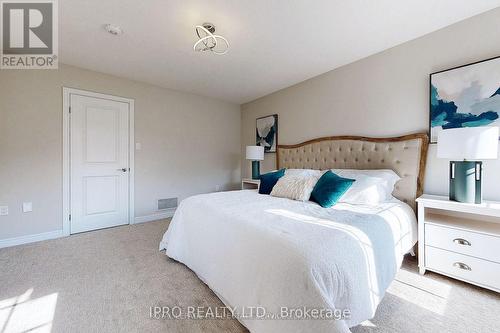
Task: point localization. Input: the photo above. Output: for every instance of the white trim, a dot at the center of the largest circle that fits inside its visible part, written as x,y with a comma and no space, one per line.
66,152
31,238
131,164
94,94
66,158
154,217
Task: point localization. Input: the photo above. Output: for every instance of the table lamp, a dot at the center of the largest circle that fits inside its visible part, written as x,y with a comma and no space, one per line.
465,147
255,154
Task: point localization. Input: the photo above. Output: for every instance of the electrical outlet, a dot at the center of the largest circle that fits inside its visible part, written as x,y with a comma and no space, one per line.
4,210
27,207
217,188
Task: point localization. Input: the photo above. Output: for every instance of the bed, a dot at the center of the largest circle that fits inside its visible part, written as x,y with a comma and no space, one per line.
271,260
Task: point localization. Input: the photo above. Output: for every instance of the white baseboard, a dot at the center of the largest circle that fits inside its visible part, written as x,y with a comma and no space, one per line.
8,242
30,238
153,217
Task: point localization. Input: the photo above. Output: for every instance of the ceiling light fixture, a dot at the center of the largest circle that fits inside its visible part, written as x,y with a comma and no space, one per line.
113,29
208,41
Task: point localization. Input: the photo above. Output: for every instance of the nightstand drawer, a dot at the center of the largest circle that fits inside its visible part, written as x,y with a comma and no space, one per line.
465,242
482,272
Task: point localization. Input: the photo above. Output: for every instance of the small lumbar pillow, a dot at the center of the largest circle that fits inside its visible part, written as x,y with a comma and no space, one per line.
268,180
329,189
295,186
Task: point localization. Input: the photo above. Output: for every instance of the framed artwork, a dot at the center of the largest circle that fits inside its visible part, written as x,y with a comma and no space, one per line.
465,96
266,133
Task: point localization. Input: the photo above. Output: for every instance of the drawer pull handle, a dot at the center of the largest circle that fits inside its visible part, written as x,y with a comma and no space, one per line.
461,241
463,266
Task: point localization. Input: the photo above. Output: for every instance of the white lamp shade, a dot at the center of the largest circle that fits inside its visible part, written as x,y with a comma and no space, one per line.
255,153
469,143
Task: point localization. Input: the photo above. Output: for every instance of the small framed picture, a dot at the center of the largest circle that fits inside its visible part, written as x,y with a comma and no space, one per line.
266,133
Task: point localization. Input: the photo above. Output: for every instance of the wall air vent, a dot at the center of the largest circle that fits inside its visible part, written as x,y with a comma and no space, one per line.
167,203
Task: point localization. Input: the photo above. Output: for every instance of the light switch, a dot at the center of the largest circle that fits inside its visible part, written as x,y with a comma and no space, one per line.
4,210
27,207
138,146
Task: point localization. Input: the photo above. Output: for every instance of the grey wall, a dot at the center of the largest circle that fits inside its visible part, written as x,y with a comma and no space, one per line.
190,144
385,94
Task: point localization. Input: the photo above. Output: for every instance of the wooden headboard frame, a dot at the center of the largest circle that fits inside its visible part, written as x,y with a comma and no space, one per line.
406,155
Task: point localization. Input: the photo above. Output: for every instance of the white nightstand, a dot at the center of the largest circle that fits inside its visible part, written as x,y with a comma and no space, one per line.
460,240
250,184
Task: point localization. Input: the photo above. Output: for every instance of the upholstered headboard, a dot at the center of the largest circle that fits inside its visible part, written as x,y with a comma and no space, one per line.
406,155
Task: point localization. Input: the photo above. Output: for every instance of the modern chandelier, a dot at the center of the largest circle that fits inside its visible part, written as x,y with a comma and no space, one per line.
208,41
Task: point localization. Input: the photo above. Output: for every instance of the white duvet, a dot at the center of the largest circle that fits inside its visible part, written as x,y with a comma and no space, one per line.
256,250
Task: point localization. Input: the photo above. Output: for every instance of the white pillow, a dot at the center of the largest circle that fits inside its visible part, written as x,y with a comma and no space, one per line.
296,185
304,172
371,186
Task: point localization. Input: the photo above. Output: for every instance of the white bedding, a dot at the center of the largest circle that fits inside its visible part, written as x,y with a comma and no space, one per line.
262,251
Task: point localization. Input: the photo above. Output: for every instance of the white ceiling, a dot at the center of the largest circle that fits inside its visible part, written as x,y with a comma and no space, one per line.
274,44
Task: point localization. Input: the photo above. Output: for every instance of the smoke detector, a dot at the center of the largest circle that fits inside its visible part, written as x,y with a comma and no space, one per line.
113,29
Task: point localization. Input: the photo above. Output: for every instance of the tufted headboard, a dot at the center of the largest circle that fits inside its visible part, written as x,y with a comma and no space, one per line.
406,155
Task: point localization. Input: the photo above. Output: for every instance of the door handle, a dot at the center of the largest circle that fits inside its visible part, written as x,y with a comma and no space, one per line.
122,169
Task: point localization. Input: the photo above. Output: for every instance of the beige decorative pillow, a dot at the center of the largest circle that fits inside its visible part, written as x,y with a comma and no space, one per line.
295,187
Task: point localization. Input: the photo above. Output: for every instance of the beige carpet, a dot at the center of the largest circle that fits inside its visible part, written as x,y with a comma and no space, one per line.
106,281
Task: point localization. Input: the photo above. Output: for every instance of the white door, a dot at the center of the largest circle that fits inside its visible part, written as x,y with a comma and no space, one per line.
99,163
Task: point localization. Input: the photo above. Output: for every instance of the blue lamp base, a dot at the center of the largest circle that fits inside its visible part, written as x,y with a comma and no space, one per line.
465,181
255,169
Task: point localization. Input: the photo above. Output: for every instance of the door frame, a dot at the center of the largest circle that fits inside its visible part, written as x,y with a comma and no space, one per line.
66,207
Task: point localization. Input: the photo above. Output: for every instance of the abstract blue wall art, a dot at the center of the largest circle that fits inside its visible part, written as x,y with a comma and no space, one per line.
266,133
465,96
